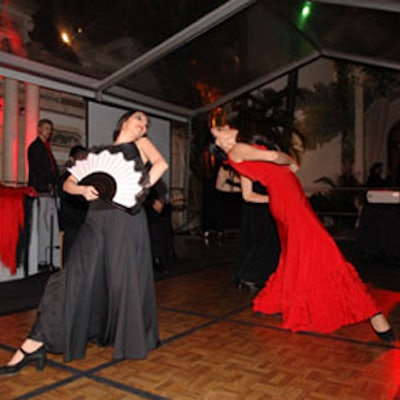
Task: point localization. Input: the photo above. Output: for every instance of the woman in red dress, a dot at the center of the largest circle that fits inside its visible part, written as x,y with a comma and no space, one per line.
314,287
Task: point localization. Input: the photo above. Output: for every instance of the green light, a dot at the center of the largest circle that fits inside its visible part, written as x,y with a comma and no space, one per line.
304,13
306,10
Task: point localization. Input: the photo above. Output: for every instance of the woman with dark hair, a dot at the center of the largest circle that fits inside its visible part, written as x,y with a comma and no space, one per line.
105,293
375,179
314,287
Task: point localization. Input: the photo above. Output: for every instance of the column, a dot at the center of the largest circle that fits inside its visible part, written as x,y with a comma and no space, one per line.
10,131
31,120
359,146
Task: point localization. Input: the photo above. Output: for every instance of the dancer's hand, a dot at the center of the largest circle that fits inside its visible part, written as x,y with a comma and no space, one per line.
282,158
294,167
89,193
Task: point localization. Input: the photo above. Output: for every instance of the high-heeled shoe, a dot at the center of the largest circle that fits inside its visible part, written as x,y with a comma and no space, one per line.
386,336
38,357
252,286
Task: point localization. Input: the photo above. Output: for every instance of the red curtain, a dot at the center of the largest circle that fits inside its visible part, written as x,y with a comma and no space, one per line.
11,222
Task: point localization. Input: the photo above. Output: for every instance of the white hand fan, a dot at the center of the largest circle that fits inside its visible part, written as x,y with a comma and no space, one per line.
114,177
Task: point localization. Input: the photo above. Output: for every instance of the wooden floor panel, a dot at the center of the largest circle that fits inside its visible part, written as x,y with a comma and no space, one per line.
229,360
215,348
208,292
172,323
87,389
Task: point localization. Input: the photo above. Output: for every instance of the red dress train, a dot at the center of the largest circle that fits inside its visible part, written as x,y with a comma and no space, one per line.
314,287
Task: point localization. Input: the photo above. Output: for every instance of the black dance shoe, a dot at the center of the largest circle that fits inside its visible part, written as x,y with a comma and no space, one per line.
38,357
252,286
386,336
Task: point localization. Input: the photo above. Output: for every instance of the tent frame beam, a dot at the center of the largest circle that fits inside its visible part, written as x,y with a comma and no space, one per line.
361,59
260,82
24,70
174,42
388,5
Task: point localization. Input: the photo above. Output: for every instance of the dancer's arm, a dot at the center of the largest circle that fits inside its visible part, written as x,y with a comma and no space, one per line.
245,152
150,153
249,195
87,191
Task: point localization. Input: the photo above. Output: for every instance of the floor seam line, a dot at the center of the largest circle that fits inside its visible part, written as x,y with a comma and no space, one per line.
319,335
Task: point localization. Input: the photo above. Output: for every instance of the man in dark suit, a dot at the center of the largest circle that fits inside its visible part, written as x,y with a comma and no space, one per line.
43,170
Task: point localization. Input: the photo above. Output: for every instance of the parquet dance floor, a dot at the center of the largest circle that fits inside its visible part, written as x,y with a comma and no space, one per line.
215,348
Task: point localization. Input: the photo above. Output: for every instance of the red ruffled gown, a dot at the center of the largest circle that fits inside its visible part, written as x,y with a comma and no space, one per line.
314,287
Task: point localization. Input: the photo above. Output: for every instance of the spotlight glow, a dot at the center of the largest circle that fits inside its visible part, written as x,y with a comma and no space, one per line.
65,38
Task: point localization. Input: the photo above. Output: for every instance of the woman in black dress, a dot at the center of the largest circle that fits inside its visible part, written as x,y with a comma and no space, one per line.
259,247
105,293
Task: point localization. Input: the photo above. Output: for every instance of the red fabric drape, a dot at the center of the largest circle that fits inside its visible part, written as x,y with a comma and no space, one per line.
11,222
